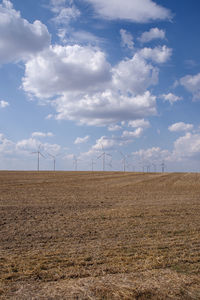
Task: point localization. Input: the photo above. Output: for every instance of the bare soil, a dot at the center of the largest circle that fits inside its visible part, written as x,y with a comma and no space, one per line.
99,235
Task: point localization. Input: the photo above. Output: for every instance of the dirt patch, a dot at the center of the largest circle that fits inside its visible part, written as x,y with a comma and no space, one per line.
95,235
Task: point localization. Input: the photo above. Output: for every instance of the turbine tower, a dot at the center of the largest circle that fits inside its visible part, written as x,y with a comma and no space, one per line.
76,162
163,167
110,163
93,163
103,155
154,166
54,161
124,161
38,157
148,168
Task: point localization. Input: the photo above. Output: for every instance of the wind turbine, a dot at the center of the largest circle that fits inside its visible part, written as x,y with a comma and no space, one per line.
163,167
54,161
124,161
141,162
93,163
110,163
103,155
148,168
38,157
154,165
76,162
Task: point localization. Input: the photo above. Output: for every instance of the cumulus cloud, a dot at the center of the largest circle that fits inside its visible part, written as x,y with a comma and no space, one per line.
42,134
85,37
18,38
171,98
192,84
127,39
158,55
187,146
83,87
3,104
7,147
140,11
68,36
114,127
66,14
57,3
104,143
80,140
139,123
133,134
32,144
134,75
154,154
180,126
152,34
65,68
105,108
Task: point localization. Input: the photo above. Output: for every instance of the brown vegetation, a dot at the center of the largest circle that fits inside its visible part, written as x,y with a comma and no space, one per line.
95,235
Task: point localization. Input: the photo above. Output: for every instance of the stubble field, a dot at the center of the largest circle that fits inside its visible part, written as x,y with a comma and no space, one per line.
95,235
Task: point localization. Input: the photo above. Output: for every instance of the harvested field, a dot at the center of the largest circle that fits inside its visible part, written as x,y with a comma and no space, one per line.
95,235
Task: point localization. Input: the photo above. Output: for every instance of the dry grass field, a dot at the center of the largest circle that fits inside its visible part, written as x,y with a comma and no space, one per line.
95,235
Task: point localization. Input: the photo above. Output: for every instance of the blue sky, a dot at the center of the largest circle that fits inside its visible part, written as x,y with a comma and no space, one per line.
114,79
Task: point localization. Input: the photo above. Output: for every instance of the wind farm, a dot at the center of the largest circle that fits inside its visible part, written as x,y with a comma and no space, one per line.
99,150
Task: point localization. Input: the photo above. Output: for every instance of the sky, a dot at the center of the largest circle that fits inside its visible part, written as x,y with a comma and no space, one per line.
100,85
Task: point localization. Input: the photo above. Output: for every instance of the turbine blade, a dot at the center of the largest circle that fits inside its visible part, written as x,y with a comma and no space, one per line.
41,154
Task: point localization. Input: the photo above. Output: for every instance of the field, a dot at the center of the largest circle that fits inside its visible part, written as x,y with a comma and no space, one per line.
99,235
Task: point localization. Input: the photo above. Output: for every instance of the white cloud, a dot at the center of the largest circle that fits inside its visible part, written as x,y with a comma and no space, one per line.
139,123
66,68
133,134
42,134
127,39
80,140
171,98
57,3
155,154
115,127
187,146
65,11
86,89
32,144
134,75
104,143
140,11
152,34
18,38
192,84
81,37
66,14
28,144
85,37
3,104
7,147
49,117
180,126
158,55
105,108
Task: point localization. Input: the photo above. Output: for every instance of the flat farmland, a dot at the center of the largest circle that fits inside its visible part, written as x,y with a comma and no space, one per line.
99,235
